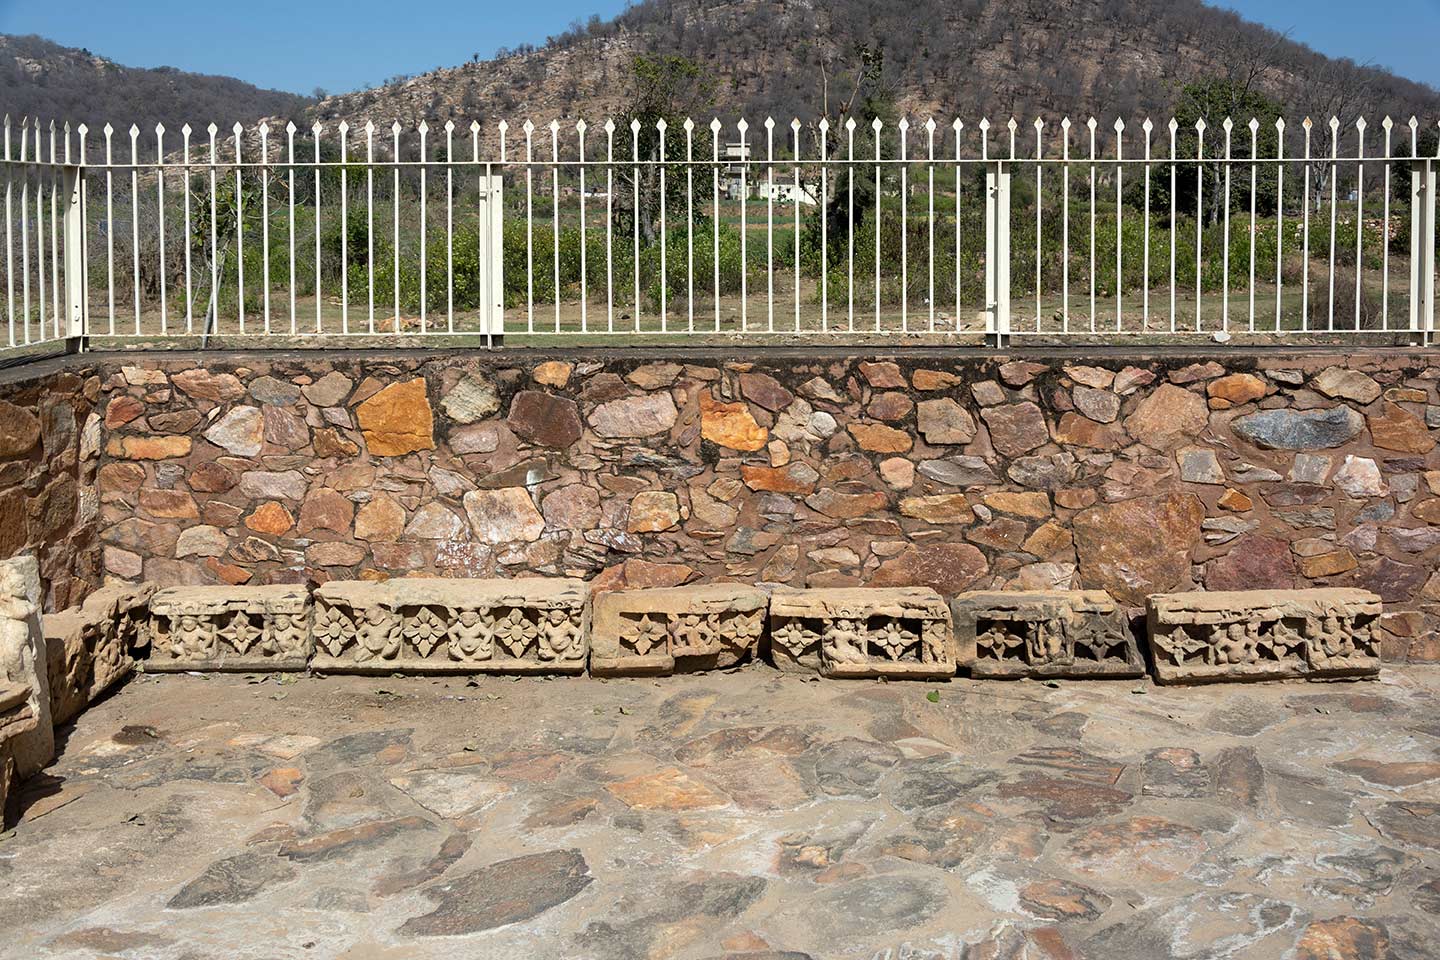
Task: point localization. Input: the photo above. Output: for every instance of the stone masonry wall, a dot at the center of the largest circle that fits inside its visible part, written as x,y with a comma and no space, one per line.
49,450
1136,475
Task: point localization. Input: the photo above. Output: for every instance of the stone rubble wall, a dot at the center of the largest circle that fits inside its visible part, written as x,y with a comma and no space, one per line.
50,437
1132,474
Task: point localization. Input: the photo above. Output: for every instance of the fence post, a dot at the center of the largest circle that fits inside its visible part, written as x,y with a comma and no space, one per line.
492,258
997,255
73,240
1422,252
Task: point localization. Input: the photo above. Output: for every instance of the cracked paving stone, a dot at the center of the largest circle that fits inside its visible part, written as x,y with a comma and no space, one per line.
505,892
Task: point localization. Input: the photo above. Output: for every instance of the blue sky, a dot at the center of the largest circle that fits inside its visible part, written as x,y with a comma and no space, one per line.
343,45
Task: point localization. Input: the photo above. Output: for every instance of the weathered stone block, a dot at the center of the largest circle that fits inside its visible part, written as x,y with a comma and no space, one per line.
1044,633
863,632
425,625
91,647
1264,634
31,746
707,627
229,628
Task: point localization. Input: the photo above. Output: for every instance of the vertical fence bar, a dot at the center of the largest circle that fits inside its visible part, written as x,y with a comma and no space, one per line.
290,168
660,127
1334,210
743,126
9,236
213,323
265,224
185,132
1174,218
1065,225
820,208
160,229
395,159
876,126
957,126
690,232
1039,218
1359,215
930,215
1092,123
450,226
1199,215
1228,126
1119,224
610,226
345,234
1148,128
635,219
584,265
25,230
370,226
135,219
1388,126
1308,125
424,129
56,178
795,207
529,128
316,132
555,214
73,224
715,215
1279,221
1254,193
239,231
770,225
904,127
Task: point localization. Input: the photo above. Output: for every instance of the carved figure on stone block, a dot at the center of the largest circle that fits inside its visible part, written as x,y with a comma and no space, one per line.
1238,643
845,641
1047,642
377,634
193,638
286,637
560,636
471,636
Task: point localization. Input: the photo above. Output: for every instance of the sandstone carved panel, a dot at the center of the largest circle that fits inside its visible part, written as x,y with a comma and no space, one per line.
90,647
862,632
659,631
229,628
1044,633
425,625
1264,634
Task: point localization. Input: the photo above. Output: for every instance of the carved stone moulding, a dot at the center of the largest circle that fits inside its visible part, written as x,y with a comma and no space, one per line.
430,625
91,647
230,628
660,631
1264,634
901,632
1044,633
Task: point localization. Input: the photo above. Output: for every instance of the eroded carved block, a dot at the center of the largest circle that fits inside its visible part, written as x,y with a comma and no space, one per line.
90,647
658,631
427,625
230,628
1044,633
863,632
22,663
1263,634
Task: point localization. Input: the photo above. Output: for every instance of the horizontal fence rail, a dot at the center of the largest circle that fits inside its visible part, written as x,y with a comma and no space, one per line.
953,232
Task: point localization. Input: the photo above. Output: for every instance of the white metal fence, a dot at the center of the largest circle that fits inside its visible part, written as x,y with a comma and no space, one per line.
931,232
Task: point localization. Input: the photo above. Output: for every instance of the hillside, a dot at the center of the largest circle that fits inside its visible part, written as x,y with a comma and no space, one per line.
39,78
946,57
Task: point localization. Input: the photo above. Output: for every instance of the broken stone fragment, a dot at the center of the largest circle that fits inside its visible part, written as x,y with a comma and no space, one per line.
660,631
1264,634
1052,633
901,633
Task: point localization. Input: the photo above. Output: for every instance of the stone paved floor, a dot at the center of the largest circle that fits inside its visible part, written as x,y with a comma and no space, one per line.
740,815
